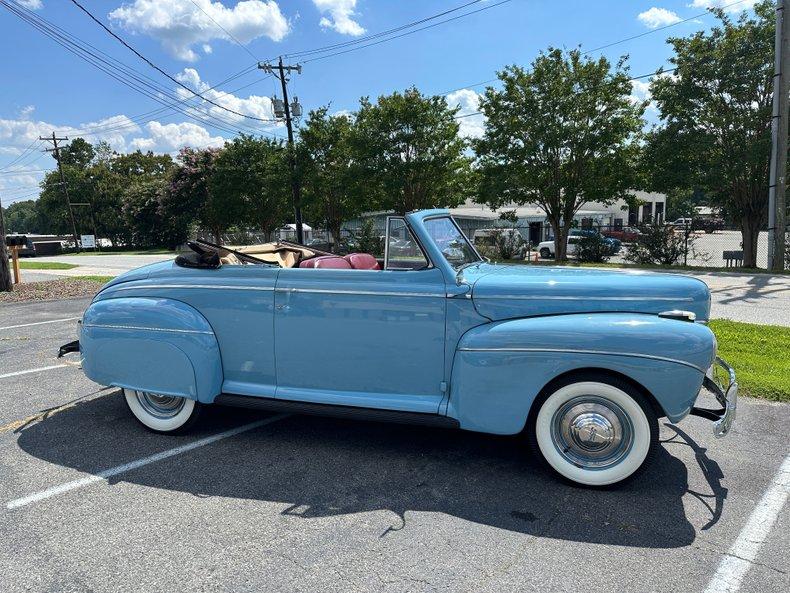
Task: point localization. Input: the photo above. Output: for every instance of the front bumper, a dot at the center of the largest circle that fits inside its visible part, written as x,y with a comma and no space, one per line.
720,380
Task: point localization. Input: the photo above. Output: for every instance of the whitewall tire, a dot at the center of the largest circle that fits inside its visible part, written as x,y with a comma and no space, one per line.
162,413
594,430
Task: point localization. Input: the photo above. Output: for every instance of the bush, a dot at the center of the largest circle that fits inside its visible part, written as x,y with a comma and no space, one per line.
368,240
593,248
661,245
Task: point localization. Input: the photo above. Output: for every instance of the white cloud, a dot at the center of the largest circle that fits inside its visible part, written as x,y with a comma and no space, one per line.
640,90
31,4
207,49
739,7
169,137
340,16
658,17
180,24
472,126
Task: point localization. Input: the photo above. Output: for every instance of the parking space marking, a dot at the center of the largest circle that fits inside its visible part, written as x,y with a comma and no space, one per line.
38,370
138,463
39,323
734,566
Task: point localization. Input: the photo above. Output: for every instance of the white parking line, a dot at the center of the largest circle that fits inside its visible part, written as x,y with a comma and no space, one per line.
734,566
39,323
114,471
38,370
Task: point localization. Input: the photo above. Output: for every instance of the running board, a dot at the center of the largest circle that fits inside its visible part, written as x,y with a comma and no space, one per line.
374,414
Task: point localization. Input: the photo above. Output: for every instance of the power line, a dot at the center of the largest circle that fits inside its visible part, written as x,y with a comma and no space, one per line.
123,73
160,70
657,73
127,76
455,18
228,33
23,171
29,150
657,29
380,34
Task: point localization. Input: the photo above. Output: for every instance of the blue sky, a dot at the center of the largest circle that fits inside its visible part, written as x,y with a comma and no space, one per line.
45,88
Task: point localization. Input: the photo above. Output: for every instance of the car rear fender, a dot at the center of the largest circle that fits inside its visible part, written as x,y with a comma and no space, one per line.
500,368
151,344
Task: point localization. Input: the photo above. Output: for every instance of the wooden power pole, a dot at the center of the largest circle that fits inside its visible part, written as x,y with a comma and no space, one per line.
281,72
56,151
777,205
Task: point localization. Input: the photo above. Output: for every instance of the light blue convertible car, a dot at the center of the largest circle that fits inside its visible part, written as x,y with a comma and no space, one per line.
583,361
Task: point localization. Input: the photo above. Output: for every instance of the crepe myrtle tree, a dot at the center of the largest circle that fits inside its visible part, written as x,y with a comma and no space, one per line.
716,109
408,152
190,196
560,134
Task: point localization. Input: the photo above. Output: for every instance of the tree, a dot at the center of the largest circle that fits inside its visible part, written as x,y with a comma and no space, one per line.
24,217
559,135
190,196
251,181
717,119
333,192
408,152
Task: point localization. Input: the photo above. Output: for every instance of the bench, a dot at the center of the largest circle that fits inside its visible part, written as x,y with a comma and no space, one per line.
733,259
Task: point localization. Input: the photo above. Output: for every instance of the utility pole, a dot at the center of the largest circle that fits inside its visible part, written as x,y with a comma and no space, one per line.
56,150
777,187
281,72
5,271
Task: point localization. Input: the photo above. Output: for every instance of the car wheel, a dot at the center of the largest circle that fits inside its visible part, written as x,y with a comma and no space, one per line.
162,413
594,430
545,253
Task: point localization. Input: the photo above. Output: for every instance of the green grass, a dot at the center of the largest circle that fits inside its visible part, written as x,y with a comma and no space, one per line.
45,265
759,355
99,279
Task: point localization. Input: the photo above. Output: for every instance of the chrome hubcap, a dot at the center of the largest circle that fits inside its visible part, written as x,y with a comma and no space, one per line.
592,432
160,406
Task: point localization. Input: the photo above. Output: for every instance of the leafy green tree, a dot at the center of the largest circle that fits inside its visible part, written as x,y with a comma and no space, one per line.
78,153
141,210
717,113
332,189
24,217
408,152
560,134
251,181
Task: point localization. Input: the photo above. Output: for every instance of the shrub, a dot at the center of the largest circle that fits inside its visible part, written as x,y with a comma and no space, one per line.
661,245
593,248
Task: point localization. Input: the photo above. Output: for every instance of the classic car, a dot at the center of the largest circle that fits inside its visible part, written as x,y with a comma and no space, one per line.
583,362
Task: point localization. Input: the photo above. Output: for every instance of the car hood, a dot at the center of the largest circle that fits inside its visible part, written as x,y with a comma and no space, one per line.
509,291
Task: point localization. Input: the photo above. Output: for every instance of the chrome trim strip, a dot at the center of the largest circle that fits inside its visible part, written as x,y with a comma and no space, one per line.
153,329
577,351
579,298
207,286
360,292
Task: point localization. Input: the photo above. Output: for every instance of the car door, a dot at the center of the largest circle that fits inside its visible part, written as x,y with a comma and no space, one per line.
366,338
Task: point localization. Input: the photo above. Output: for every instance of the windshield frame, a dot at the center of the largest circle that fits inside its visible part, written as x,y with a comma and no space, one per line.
456,269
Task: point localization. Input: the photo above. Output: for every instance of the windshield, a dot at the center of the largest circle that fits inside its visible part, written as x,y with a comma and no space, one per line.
455,247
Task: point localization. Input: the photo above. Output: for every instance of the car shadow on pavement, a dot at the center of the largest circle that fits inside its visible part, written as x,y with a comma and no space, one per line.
318,467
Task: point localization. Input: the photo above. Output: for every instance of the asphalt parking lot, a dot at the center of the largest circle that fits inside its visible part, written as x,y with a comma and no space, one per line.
89,501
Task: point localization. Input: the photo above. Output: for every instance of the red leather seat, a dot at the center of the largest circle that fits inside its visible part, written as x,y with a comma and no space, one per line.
333,262
362,261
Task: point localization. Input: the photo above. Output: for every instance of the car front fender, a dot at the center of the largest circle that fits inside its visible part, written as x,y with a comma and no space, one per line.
151,344
500,368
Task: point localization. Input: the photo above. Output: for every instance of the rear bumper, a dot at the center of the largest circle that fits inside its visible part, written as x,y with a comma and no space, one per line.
721,381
